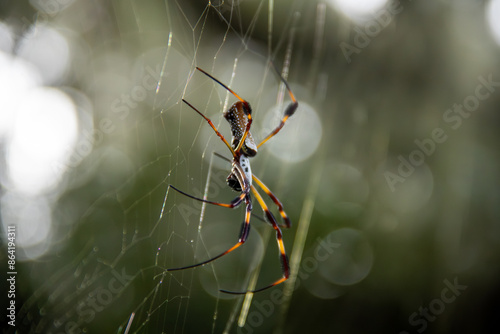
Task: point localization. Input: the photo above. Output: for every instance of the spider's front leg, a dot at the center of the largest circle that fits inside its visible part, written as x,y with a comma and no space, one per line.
289,111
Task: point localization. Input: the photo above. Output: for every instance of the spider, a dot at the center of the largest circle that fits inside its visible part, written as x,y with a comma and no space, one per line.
241,179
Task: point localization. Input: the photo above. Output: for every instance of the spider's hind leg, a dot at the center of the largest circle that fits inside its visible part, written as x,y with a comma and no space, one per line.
245,231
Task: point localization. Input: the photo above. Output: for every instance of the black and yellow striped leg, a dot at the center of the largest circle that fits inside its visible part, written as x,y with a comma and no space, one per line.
234,203
211,124
289,111
284,216
285,267
245,230
246,110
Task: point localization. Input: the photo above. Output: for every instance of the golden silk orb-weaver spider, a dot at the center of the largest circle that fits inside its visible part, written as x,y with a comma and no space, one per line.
241,179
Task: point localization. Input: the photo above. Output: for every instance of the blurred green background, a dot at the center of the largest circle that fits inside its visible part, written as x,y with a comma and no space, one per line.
388,170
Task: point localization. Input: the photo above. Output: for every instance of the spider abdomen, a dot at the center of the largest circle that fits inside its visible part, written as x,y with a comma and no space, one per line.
238,120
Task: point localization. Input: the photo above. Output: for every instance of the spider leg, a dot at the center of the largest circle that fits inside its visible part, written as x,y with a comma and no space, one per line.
247,111
289,111
245,230
221,156
220,83
276,201
234,203
285,267
212,125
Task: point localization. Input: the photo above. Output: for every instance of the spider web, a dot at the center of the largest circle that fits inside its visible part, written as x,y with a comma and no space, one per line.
391,188
110,273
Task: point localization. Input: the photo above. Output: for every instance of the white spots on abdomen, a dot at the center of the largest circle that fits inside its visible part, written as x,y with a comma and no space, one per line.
245,165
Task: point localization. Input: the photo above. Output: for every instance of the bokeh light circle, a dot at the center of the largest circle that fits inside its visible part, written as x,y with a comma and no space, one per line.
298,139
351,261
358,10
492,17
49,51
